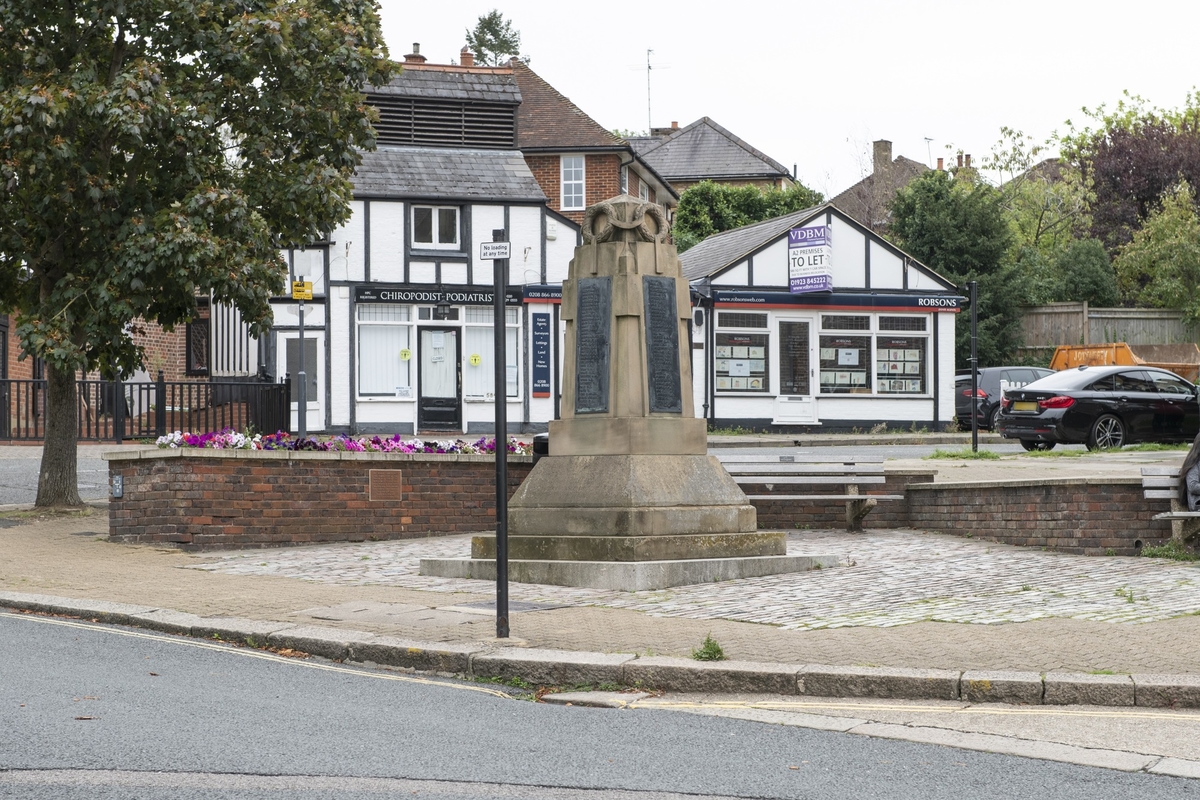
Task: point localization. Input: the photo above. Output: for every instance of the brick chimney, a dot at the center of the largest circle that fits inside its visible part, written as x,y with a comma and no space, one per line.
465,57
940,166
968,163
415,56
674,124
882,155
960,160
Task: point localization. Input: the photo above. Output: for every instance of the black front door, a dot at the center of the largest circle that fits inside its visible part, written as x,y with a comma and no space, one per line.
439,381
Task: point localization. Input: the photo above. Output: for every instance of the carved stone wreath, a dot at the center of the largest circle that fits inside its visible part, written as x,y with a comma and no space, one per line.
636,222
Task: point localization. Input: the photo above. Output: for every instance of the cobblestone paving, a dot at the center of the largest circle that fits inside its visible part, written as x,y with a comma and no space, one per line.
890,578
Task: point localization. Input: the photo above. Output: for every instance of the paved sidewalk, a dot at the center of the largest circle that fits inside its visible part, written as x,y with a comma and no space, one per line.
904,599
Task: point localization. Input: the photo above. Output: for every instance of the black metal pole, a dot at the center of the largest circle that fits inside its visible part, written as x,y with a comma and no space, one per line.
302,387
971,287
500,281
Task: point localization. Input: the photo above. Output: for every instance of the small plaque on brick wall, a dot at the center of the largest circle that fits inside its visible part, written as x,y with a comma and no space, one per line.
386,484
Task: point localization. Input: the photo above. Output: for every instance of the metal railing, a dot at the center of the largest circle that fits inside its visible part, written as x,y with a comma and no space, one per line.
115,411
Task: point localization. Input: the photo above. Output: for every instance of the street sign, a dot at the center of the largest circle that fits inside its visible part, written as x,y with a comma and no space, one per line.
302,290
491,251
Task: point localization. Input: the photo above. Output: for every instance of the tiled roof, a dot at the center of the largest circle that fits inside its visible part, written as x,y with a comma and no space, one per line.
547,119
491,84
446,174
723,249
706,150
869,199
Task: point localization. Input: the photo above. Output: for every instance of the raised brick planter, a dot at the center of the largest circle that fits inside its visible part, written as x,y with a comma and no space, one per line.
217,499
1090,516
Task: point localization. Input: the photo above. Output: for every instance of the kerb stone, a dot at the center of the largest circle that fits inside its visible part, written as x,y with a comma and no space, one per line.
421,656
1074,689
882,682
689,675
1018,688
1178,691
331,643
550,667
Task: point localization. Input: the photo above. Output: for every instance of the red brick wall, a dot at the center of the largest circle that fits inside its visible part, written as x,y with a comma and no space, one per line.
241,499
1090,516
602,179
166,351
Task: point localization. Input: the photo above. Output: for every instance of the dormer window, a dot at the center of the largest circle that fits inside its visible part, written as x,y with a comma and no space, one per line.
435,227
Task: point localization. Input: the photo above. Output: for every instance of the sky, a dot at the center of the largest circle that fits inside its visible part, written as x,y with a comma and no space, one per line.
813,84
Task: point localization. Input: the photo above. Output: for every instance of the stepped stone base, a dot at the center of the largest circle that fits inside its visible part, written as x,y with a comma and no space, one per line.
627,576
630,496
635,548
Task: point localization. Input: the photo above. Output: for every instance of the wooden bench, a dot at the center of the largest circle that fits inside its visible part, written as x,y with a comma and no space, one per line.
1162,483
840,478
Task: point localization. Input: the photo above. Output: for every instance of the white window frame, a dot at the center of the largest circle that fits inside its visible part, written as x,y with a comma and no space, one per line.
435,244
580,182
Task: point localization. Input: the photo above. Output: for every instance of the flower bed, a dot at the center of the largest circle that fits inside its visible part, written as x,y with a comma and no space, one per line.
229,439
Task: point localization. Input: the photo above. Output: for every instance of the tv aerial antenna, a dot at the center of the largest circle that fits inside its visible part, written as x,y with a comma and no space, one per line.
650,68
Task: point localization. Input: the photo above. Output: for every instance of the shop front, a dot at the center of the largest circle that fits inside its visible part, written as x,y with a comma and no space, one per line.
864,336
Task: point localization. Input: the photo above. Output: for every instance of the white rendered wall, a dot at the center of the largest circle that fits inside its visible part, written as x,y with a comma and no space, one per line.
347,252
887,269
484,219
454,272
525,238
738,275
418,272
770,265
387,241
849,255
339,365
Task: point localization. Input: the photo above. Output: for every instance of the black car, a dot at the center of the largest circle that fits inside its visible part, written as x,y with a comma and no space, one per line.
1101,407
992,383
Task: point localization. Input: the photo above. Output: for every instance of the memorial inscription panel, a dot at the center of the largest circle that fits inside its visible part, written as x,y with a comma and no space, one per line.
593,321
662,344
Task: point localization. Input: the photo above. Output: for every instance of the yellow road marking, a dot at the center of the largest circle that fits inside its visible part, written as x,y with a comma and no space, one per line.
1044,711
229,648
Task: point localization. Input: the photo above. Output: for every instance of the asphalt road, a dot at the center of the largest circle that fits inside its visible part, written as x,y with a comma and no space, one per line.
89,711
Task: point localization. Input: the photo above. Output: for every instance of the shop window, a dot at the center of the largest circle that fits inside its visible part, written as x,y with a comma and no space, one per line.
845,322
901,364
911,323
384,350
734,319
845,364
435,227
741,362
479,352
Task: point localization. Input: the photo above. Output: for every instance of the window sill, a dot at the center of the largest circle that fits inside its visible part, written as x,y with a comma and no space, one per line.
425,251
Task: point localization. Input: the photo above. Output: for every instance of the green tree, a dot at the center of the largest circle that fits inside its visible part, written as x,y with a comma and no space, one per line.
1085,273
494,40
1135,153
1161,266
707,208
156,150
958,228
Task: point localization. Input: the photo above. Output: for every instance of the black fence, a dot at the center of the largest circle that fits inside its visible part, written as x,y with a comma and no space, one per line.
115,411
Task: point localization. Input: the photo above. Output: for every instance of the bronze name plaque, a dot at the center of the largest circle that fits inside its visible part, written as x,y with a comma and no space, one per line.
593,336
662,344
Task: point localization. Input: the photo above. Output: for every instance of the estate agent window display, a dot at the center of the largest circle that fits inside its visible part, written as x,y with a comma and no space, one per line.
857,354
741,357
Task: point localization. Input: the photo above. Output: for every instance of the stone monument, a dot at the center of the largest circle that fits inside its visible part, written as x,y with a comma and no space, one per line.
628,497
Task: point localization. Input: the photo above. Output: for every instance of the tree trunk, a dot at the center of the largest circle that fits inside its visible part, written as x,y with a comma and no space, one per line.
58,481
